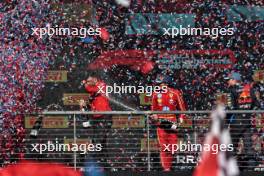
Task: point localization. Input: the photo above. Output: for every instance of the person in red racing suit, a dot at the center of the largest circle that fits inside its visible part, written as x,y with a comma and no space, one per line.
100,123
99,101
169,100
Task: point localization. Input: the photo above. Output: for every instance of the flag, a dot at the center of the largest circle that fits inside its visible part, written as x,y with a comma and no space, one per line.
220,163
137,60
38,169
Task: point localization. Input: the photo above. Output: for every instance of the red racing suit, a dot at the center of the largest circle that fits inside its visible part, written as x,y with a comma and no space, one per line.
170,101
101,123
99,101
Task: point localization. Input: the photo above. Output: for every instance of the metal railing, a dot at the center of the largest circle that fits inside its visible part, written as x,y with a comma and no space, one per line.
130,139
145,112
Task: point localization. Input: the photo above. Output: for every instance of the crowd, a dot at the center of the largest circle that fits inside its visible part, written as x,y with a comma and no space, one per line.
25,59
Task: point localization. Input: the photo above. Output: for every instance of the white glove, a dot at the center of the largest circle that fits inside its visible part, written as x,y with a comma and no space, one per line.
34,133
86,124
174,127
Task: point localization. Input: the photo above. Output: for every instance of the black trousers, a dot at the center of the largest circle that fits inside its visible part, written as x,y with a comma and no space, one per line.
241,128
100,132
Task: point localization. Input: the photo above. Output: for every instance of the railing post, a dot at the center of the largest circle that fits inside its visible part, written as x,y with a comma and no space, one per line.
194,127
74,140
148,134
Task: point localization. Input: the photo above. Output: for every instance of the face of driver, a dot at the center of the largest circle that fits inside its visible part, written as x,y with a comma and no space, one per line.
91,80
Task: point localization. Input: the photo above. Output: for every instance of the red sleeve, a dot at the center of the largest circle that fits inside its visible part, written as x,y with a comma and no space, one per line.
180,103
154,106
101,103
154,102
